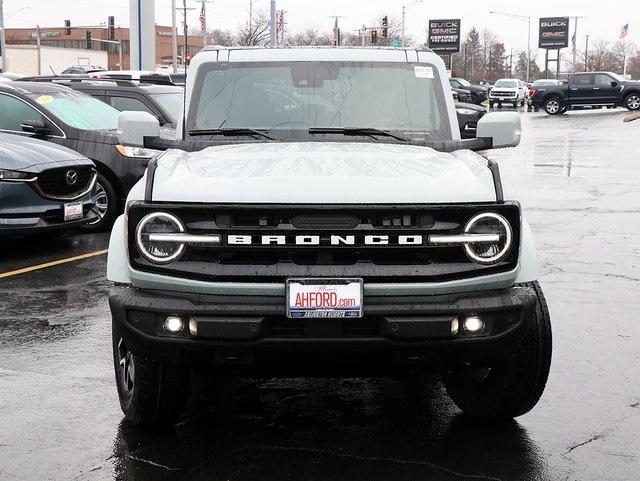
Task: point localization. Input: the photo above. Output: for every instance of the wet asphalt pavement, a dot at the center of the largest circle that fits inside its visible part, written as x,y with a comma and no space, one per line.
578,178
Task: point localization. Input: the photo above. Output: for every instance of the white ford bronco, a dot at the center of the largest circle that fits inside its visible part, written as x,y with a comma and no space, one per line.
320,215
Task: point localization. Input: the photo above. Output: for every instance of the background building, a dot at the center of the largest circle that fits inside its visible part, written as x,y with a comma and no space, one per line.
77,40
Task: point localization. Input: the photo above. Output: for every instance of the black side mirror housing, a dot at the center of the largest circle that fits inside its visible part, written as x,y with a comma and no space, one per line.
614,84
36,127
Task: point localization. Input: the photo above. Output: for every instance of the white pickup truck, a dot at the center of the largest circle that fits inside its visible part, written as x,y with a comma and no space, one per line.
322,216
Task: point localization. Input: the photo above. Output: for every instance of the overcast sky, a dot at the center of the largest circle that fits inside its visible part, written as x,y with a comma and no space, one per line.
603,19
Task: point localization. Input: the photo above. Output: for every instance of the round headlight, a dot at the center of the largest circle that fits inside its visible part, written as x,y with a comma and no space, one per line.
159,252
488,252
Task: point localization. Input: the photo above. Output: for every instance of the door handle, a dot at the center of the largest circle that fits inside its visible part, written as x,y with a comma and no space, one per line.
574,89
596,88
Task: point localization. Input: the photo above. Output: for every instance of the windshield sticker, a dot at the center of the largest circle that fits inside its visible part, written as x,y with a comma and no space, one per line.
44,99
423,72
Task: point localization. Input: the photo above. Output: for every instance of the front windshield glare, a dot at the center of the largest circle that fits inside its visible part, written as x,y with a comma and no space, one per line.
303,95
79,110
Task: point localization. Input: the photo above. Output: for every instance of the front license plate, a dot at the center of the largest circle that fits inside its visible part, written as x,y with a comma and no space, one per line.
72,211
324,298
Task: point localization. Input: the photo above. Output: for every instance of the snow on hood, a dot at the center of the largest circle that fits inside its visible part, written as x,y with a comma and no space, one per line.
322,173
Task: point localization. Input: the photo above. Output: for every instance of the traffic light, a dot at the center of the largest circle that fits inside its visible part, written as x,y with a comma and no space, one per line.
89,42
187,59
374,36
67,27
385,26
111,25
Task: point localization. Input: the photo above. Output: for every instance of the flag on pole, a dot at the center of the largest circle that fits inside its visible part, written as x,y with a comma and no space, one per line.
624,31
203,18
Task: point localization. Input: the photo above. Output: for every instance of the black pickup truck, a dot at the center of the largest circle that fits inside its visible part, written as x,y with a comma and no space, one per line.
587,89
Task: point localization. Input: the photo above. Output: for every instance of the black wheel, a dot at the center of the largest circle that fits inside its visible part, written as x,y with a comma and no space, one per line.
515,104
522,103
564,109
499,105
511,387
632,102
106,205
150,392
490,105
553,106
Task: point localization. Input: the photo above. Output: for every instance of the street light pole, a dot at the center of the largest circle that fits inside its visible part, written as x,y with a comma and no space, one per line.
586,55
525,18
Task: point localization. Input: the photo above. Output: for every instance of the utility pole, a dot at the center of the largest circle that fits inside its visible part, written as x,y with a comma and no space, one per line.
174,38
586,55
274,38
3,45
575,42
250,15
525,18
404,14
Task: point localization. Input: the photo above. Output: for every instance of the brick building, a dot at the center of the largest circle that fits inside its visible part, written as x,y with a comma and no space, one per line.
56,37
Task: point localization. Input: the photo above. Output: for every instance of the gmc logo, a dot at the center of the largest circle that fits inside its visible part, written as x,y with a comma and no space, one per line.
316,240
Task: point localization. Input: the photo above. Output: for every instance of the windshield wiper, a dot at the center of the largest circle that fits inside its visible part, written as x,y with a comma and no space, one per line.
231,131
366,131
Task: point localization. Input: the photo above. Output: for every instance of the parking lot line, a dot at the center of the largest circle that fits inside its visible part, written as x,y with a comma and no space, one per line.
67,260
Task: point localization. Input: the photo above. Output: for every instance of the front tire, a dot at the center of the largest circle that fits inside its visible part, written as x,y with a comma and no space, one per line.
553,106
511,387
106,205
632,102
150,392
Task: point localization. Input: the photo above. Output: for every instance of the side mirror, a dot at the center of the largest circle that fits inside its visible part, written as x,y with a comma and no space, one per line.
614,84
503,128
133,127
36,127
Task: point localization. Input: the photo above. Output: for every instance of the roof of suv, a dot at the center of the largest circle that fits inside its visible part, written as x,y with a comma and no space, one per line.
372,54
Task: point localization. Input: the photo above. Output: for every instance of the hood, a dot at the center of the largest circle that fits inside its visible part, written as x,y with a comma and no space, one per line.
477,88
322,173
27,154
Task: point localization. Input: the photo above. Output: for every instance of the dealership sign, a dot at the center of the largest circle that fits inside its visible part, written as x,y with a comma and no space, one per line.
554,32
444,36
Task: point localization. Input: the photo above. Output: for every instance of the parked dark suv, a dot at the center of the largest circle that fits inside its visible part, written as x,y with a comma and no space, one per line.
162,101
478,93
64,116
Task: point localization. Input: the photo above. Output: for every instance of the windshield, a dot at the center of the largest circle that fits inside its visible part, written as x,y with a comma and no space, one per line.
464,82
302,95
506,83
78,110
171,103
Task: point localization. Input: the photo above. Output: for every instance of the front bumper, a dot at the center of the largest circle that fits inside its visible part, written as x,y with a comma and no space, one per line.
23,211
252,334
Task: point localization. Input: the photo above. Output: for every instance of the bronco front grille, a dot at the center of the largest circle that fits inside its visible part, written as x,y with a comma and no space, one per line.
274,263
65,182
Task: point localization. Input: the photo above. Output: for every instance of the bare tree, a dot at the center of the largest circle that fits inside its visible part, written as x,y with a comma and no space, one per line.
256,33
310,36
221,37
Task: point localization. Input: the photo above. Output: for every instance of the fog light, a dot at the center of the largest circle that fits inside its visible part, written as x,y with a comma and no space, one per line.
173,324
473,324
455,324
193,327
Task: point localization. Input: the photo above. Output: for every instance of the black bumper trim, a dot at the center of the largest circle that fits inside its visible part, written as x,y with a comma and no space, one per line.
245,342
